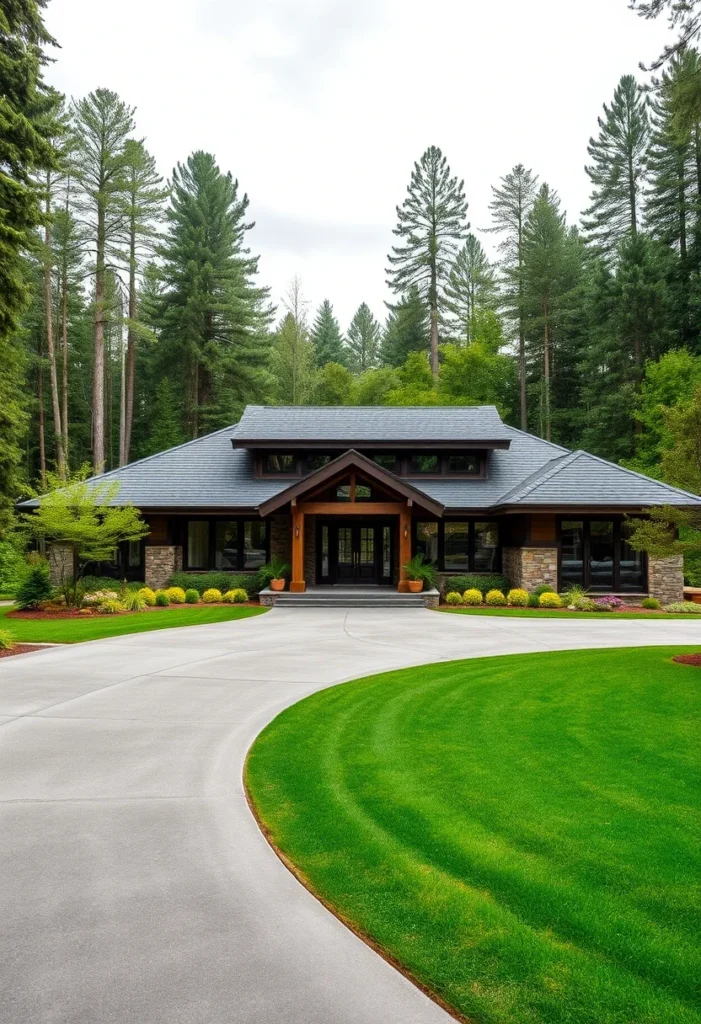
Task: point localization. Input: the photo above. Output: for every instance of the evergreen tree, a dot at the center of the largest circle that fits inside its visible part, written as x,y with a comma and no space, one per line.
144,197
214,319
510,206
551,266
166,420
101,123
471,286
326,337
363,340
406,330
431,225
617,170
25,148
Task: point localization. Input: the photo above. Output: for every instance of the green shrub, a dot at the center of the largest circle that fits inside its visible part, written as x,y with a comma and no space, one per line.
134,601
176,595
221,581
453,597
517,598
148,595
111,607
549,599
212,596
543,588
478,581
683,608
13,564
92,600
472,596
162,599
7,641
495,599
587,604
240,596
35,587
192,596
533,600
651,603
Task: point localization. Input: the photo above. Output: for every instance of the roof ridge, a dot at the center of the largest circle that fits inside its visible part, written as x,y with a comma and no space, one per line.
394,408
535,437
540,476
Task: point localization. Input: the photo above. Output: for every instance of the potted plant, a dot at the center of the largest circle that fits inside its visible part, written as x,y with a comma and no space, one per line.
273,574
419,572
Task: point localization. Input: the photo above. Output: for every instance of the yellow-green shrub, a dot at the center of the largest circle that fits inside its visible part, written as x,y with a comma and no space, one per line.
162,599
453,597
472,596
212,596
176,595
148,595
550,600
111,607
495,598
236,596
517,598
134,601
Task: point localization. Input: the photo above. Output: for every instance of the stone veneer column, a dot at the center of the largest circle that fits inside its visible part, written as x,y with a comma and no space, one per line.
161,561
529,567
61,566
665,578
281,538
310,550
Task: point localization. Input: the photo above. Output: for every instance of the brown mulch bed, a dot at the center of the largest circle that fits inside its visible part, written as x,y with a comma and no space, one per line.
73,613
688,659
23,649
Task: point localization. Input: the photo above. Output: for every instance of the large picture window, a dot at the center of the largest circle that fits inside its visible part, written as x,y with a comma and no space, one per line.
227,544
595,554
459,545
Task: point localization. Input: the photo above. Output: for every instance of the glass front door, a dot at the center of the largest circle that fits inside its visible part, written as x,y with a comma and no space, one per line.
354,553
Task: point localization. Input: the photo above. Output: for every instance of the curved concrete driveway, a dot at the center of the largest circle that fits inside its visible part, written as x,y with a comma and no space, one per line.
136,887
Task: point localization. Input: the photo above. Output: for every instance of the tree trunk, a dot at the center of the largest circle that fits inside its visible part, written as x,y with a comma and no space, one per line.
131,345
632,197
49,316
122,405
434,342
521,326
42,438
98,385
64,354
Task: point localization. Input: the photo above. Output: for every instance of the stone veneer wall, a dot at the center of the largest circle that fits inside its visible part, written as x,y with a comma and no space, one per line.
281,538
161,561
665,578
529,567
61,567
310,550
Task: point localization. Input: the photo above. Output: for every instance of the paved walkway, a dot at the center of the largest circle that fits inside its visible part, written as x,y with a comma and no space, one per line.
135,885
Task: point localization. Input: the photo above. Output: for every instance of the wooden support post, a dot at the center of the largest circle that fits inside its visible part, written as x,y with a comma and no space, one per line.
297,584
404,547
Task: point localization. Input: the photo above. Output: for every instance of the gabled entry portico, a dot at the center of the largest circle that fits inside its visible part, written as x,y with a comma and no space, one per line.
363,515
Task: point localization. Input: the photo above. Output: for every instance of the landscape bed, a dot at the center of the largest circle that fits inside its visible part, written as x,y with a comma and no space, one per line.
519,834
629,612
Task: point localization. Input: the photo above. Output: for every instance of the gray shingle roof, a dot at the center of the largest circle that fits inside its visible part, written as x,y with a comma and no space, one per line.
370,423
209,474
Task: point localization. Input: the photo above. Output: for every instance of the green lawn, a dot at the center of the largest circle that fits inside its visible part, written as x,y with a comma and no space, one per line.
549,613
72,631
521,833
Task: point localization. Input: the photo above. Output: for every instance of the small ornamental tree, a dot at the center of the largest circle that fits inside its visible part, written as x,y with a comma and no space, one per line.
85,519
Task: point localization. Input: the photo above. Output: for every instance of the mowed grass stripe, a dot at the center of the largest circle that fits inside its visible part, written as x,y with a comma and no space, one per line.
521,833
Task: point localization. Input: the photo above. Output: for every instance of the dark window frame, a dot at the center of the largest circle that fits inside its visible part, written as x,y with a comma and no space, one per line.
472,523
402,463
587,520
212,547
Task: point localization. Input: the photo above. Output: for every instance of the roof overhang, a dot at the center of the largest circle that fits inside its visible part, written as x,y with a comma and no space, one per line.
351,460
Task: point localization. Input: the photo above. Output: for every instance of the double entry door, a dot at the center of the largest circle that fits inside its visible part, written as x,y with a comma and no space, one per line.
351,552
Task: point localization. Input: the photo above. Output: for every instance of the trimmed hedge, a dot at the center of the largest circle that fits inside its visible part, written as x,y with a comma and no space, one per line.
483,582
222,581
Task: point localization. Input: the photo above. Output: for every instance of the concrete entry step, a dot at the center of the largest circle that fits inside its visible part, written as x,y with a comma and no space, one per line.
350,597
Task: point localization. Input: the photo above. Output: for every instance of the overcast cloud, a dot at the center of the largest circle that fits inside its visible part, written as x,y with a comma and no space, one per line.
320,107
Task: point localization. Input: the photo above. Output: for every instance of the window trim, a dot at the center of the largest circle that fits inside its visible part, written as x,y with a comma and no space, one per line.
402,463
472,523
586,521
212,547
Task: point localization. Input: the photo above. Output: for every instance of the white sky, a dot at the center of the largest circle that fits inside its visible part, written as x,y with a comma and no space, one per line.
320,107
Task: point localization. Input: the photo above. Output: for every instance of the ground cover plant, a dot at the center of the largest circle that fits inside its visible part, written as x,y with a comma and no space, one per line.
679,611
98,627
520,833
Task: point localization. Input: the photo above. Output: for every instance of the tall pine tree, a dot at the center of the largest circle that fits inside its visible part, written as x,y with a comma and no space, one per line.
617,169
431,225
363,340
214,318
326,337
511,203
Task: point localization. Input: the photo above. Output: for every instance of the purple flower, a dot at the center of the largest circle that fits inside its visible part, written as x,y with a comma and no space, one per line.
609,602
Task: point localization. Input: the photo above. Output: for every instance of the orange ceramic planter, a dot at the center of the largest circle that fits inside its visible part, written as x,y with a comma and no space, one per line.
416,586
277,584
